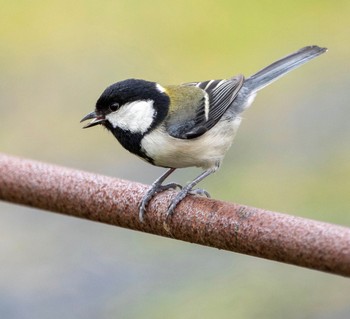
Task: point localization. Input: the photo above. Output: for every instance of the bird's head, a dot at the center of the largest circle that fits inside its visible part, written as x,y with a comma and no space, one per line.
131,105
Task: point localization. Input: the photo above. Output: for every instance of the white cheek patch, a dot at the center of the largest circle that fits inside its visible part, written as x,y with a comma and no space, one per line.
136,117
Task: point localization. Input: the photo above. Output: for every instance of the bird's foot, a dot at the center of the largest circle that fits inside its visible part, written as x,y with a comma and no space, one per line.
156,188
181,195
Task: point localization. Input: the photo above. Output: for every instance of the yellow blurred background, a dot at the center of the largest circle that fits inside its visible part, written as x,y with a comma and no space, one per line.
291,154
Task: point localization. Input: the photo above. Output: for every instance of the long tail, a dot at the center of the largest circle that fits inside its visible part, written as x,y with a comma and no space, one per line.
279,68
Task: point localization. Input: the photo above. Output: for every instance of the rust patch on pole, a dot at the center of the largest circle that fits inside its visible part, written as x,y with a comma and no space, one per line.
203,221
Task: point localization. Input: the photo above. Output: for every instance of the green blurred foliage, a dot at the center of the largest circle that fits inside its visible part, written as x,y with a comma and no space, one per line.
291,154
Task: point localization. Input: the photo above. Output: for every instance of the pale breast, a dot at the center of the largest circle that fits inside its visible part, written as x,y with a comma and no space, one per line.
204,151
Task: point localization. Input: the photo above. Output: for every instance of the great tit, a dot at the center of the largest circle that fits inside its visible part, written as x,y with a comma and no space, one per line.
192,124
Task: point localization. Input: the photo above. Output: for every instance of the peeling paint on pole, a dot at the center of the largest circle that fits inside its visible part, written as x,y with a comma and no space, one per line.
203,221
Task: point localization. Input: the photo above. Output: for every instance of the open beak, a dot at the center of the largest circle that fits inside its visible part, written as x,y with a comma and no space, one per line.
96,119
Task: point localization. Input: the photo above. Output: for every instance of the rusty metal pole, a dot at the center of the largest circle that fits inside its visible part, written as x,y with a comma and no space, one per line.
203,221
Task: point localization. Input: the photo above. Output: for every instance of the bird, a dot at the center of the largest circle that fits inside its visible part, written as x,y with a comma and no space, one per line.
188,125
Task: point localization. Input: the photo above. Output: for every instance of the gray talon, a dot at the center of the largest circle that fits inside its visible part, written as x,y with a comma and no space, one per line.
156,188
178,198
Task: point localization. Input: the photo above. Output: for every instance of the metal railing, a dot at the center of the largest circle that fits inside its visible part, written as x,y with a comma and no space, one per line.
203,221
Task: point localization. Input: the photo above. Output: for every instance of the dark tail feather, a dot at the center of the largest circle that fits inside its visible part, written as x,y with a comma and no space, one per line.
277,69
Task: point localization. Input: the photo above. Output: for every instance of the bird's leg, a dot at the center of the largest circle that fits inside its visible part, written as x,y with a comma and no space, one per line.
188,190
156,187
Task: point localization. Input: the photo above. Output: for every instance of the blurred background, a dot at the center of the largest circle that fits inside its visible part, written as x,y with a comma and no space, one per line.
291,154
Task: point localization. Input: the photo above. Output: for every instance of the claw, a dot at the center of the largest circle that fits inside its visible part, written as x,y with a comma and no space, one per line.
181,195
158,187
155,189
188,190
178,198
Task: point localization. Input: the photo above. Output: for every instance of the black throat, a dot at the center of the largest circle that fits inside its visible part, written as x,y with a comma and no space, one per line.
130,141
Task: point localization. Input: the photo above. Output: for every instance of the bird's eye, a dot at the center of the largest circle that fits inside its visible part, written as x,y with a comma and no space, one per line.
113,107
